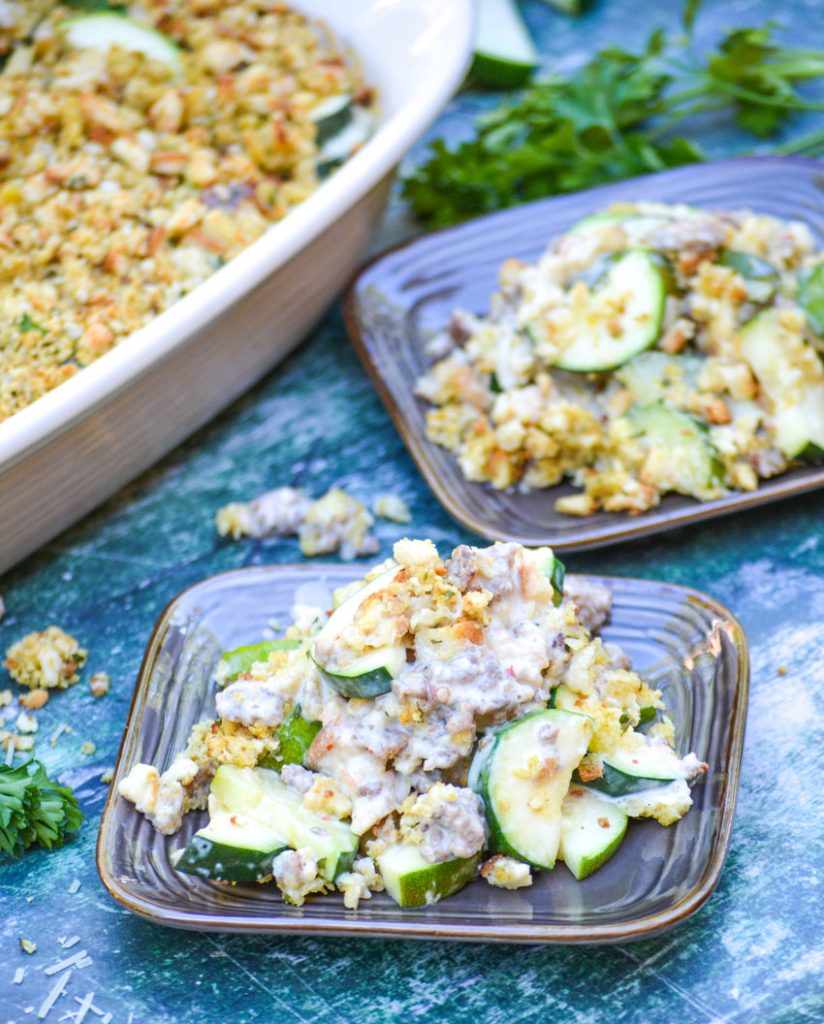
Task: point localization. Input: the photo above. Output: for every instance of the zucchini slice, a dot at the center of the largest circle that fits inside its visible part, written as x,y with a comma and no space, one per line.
591,831
261,795
623,772
366,676
505,55
234,663
104,30
340,145
620,317
231,848
412,881
295,737
524,779
681,455
760,277
331,116
791,377
657,376
811,298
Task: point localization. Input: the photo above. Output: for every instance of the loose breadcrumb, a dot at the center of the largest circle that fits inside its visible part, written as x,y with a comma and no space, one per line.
34,699
88,748
28,946
99,684
26,723
506,873
335,522
6,698
390,506
46,660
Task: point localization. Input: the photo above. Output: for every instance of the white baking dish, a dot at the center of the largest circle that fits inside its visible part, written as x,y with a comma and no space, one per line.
78,444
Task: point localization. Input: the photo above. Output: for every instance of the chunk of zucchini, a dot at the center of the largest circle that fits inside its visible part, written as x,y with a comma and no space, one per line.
620,317
295,737
524,779
683,457
371,674
260,794
630,771
811,298
760,277
412,881
231,848
791,377
592,829
241,659
103,30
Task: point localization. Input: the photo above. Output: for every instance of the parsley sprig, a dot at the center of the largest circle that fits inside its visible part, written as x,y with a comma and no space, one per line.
614,119
34,810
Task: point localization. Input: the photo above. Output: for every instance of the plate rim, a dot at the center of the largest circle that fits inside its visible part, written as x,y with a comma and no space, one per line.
620,526
351,926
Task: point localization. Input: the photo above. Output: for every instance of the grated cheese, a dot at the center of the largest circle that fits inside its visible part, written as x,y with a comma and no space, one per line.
57,991
70,961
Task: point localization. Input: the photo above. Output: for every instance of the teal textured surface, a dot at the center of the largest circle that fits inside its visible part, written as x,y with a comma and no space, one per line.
754,953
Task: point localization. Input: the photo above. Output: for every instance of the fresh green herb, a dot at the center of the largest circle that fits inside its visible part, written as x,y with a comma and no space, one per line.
27,324
34,810
613,119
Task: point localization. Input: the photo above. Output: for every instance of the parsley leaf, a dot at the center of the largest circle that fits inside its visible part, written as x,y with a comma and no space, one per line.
34,810
27,324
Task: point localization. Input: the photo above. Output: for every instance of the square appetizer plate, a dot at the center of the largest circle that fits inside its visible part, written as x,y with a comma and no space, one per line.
679,640
406,295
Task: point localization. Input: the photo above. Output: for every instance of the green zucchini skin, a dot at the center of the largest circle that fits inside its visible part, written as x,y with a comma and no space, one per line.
208,859
371,674
241,659
516,829
597,351
688,439
295,737
592,829
761,277
614,782
412,882
369,684
811,298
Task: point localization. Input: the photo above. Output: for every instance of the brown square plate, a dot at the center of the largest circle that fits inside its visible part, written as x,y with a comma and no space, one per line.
406,295
679,640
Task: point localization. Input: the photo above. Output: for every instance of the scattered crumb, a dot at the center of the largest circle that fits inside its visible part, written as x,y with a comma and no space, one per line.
99,684
30,899
74,887
107,776
34,699
506,872
19,974
88,748
48,659
28,946
782,670
390,506
6,697
26,723
12,742
336,521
